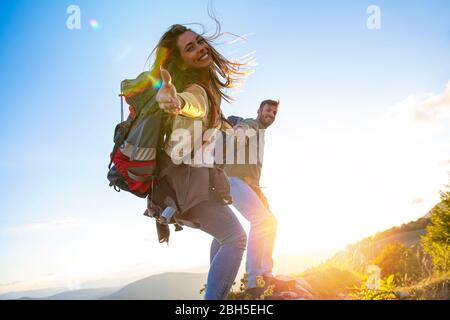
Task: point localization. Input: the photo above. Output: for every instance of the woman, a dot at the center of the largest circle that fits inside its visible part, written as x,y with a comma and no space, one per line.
194,76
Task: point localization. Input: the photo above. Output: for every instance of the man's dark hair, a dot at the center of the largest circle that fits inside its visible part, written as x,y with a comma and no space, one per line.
271,102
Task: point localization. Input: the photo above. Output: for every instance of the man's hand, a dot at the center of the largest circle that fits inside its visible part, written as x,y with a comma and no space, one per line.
241,134
167,95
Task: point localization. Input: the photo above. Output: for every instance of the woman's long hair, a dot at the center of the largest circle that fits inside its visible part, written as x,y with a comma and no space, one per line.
223,73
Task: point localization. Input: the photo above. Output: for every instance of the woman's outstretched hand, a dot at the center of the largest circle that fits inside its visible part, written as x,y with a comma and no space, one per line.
167,95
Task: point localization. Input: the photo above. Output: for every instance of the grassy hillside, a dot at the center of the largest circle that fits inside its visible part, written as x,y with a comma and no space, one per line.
432,288
358,256
401,267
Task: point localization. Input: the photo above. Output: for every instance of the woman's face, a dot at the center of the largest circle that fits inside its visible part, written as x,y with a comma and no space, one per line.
194,51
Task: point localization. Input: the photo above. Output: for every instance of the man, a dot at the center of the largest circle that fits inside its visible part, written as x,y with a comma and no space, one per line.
248,197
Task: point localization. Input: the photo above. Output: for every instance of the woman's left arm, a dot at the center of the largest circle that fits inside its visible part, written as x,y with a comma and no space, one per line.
195,102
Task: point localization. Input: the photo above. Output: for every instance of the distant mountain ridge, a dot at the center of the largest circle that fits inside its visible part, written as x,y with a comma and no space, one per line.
82,294
165,286
34,294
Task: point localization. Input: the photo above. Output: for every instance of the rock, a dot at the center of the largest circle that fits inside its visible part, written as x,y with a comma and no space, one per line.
403,295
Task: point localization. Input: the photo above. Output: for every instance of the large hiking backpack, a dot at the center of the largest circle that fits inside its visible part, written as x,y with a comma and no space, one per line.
138,140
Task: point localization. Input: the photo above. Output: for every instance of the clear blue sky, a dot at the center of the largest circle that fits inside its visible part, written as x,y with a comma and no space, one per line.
59,104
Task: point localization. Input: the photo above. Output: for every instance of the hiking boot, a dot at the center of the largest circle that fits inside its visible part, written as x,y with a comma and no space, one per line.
287,288
280,283
256,292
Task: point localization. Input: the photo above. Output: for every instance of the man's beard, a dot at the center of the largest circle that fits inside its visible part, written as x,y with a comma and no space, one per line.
267,123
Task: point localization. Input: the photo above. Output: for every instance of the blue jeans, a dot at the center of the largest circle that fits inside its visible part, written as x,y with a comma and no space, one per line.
263,228
220,222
